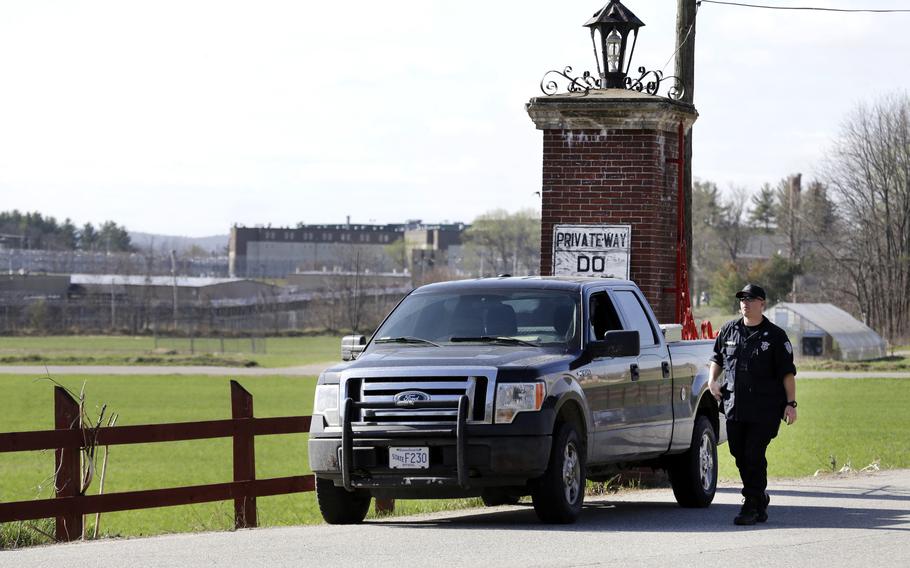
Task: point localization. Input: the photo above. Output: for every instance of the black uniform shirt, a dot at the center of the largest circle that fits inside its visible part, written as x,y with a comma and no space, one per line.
755,361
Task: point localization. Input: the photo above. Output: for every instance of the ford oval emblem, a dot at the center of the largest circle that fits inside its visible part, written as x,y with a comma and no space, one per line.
408,398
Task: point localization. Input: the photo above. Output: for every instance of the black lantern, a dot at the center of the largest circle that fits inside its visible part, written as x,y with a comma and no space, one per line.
610,28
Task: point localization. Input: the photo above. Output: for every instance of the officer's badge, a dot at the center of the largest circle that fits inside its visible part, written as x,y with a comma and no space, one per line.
765,345
789,348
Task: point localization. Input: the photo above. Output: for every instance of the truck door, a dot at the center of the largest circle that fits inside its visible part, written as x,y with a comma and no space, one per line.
610,392
652,414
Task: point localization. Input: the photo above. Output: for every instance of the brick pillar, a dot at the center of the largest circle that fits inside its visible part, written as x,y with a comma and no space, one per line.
607,160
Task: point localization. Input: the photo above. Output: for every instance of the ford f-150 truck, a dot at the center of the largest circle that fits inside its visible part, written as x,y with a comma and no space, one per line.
512,386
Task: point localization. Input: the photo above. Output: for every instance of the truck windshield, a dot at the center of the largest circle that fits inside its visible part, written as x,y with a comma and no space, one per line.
501,317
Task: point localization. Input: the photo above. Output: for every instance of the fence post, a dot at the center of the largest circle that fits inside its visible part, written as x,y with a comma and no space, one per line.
67,479
244,455
385,506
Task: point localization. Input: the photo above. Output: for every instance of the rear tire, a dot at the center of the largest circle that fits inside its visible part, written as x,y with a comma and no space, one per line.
694,473
340,506
559,493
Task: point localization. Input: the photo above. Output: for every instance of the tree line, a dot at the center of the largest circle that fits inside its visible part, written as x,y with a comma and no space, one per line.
39,232
843,238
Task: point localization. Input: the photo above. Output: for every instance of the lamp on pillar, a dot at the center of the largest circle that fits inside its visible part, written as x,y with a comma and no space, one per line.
610,29
612,165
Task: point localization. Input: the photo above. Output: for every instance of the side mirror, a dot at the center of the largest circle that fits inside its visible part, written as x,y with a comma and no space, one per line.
616,344
352,346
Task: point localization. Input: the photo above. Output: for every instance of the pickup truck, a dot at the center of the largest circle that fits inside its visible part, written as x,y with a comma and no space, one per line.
512,386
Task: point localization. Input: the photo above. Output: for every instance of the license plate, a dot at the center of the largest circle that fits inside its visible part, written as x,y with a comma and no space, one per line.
409,458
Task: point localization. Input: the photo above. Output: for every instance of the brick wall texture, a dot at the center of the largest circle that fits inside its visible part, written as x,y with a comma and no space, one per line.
617,177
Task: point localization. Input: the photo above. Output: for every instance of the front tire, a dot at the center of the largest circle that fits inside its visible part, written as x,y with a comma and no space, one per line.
559,493
694,475
340,506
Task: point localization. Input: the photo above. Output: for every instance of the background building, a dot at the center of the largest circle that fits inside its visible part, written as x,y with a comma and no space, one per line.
260,252
824,330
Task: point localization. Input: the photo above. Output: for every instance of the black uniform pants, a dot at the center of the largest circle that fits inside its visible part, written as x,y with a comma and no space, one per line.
748,443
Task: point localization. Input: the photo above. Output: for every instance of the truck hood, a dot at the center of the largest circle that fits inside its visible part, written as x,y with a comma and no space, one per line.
503,357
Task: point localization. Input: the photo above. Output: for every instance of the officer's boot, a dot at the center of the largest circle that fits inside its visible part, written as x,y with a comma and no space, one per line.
748,514
763,503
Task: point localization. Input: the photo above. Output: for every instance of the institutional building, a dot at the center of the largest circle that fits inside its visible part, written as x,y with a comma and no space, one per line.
257,252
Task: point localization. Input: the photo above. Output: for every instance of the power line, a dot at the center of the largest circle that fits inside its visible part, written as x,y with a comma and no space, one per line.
768,7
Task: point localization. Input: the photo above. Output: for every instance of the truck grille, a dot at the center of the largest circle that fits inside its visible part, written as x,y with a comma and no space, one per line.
447,390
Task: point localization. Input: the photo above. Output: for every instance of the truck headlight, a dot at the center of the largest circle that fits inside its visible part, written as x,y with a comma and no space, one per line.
512,398
326,404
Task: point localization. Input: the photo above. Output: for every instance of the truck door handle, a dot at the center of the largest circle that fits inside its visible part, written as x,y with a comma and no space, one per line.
634,368
665,367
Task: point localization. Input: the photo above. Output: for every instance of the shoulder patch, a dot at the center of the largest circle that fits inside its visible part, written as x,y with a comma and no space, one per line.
788,347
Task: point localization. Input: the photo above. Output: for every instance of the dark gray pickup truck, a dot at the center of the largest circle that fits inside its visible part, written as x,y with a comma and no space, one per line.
505,387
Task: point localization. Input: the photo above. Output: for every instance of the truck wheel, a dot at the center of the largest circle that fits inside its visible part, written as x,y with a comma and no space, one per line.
694,474
339,506
560,491
495,496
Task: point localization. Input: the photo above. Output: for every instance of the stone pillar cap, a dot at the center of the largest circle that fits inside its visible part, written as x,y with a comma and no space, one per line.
617,109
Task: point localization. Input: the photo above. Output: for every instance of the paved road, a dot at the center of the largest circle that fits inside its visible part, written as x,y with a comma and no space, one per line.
850,521
314,369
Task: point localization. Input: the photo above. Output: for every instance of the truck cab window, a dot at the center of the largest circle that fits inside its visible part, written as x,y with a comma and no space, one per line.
603,316
635,315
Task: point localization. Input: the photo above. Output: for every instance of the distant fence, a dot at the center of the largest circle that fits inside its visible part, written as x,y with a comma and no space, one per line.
69,438
67,262
124,313
210,345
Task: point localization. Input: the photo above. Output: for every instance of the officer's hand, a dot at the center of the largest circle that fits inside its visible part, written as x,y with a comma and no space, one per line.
714,387
789,415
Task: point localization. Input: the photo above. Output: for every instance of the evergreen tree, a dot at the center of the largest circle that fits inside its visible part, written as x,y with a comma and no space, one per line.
88,238
762,213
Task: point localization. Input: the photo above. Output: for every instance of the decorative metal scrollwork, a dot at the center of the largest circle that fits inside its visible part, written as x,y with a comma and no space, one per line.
675,91
582,84
648,82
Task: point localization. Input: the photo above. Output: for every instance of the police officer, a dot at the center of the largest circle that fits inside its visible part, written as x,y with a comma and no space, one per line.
758,390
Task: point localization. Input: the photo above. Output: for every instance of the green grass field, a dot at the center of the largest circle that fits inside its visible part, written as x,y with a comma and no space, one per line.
151,399
856,421
271,352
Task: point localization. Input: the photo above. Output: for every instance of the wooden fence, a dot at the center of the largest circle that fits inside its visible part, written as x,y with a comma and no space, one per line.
68,438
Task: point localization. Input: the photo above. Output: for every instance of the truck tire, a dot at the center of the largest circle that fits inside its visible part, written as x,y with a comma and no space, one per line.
694,473
559,493
339,506
496,496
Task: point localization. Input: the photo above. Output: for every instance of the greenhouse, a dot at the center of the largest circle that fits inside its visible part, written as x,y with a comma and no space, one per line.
824,330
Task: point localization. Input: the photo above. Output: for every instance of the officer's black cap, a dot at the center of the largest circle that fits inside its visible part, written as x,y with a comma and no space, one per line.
751,291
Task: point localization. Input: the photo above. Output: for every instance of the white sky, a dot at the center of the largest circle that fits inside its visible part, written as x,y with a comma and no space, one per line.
184,117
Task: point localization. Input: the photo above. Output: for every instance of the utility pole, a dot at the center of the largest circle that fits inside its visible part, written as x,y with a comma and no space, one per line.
113,306
174,287
685,72
794,192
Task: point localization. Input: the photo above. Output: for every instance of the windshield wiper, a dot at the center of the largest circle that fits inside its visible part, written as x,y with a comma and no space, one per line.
490,339
405,339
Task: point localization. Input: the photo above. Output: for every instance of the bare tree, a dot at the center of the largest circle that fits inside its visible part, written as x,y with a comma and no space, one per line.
507,242
731,228
868,170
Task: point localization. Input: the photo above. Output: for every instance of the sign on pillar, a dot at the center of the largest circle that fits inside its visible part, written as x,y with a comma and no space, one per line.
592,250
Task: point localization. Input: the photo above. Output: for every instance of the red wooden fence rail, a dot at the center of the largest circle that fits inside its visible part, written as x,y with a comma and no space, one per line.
69,438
